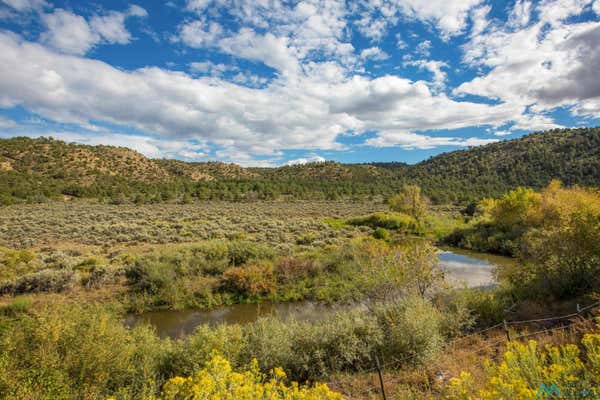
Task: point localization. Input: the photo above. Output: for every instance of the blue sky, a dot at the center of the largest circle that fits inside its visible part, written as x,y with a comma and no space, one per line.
272,82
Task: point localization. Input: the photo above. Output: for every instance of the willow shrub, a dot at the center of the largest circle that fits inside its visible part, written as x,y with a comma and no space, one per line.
528,372
218,381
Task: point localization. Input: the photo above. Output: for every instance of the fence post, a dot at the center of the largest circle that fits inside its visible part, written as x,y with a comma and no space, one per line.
506,330
380,377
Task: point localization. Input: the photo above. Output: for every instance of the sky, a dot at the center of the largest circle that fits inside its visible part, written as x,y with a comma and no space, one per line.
274,82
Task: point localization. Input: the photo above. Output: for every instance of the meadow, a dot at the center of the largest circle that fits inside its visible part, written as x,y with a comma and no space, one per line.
71,271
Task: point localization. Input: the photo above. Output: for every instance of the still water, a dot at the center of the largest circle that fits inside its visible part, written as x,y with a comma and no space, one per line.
462,268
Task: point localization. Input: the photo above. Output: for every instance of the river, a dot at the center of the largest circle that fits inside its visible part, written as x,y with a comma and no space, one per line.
462,268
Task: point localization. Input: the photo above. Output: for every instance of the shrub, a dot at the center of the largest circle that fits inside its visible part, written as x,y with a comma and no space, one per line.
563,262
16,306
218,381
240,252
344,341
526,372
410,201
77,352
381,233
254,280
46,280
412,329
394,221
151,276
16,262
291,269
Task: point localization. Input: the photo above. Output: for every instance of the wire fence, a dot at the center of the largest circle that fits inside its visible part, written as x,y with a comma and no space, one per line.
396,362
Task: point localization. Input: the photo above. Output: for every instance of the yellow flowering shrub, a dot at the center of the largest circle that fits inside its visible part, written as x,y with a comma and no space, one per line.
526,372
218,381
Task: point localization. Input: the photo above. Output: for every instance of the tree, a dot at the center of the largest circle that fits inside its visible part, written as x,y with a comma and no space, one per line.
410,201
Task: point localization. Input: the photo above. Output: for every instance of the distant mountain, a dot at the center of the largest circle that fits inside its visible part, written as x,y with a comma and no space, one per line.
44,168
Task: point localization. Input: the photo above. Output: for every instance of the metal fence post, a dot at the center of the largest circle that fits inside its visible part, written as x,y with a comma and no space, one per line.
380,377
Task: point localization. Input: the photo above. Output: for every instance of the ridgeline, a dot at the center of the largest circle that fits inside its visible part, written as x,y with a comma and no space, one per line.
36,170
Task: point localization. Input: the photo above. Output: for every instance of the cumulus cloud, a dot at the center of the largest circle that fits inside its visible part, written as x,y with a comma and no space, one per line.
433,66
317,87
25,5
306,112
73,34
540,66
450,18
374,53
409,140
200,33
312,158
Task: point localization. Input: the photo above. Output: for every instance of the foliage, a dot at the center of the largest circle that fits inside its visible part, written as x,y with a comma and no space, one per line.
566,371
394,221
381,233
554,234
46,280
412,330
76,352
218,381
410,201
250,281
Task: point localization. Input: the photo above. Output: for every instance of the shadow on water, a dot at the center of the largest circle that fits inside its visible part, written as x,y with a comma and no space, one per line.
462,268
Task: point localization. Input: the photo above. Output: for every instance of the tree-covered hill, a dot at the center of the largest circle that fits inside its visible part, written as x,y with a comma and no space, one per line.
40,169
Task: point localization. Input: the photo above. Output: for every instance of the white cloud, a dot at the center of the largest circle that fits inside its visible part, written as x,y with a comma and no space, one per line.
200,33
596,7
305,111
520,14
502,133
449,17
71,33
542,66
424,48
479,18
556,11
197,5
68,32
374,53
6,123
211,68
313,158
269,49
435,67
408,140
25,5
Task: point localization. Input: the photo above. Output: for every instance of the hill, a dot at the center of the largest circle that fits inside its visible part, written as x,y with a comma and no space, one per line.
39,169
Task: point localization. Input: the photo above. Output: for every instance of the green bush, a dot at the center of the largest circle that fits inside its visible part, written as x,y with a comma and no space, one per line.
240,252
46,280
77,352
390,220
412,330
16,306
151,276
381,233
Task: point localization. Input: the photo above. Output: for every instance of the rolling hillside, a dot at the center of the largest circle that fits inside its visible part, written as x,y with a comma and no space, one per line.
40,169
